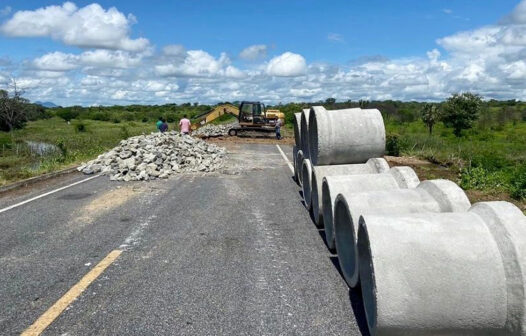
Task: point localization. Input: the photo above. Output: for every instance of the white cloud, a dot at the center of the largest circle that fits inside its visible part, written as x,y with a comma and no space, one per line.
335,37
56,61
5,11
87,27
110,59
174,50
489,60
447,11
287,65
198,63
254,52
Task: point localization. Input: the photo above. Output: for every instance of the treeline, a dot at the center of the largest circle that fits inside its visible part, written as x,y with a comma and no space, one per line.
491,114
15,111
140,113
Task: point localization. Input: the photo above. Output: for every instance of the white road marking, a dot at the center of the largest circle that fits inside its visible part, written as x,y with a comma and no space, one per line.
48,193
291,167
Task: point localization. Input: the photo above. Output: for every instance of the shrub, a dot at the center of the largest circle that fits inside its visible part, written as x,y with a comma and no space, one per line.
480,179
125,134
102,116
392,145
171,118
144,119
518,183
67,114
116,120
80,127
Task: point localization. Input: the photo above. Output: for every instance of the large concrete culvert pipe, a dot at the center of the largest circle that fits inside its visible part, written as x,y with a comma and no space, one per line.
299,166
294,155
372,166
395,178
429,196
344,136
304,132
306,175
445,274
297,129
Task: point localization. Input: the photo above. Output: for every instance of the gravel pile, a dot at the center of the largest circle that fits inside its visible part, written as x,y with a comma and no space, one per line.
210,130
157,155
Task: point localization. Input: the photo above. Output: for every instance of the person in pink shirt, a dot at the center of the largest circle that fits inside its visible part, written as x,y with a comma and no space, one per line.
184,125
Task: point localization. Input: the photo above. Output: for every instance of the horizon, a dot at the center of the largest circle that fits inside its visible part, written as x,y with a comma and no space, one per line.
126,53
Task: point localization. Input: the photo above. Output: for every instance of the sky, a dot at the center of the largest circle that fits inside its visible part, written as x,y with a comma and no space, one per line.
157,52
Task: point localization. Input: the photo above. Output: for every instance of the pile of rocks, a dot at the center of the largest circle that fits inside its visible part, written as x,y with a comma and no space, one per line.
157,155
210,130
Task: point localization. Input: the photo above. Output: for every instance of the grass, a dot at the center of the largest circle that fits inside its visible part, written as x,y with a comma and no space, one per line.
73,146
490,160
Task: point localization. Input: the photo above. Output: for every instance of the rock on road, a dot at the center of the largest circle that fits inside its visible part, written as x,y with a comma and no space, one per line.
232,253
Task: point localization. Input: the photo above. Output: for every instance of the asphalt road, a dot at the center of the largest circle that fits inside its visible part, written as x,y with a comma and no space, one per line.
231,253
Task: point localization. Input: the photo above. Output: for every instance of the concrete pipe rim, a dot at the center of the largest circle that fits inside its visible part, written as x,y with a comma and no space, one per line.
327,208
345,241
306,172
299,163
304,133
315,204
448,194
297,125
367,277
312,134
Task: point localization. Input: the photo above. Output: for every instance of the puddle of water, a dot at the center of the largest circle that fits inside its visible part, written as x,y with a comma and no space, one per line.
41,148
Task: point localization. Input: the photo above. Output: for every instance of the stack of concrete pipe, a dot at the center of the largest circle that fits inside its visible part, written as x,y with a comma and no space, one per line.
428,262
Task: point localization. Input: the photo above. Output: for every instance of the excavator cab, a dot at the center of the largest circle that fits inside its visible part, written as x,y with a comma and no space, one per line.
253,117
252,113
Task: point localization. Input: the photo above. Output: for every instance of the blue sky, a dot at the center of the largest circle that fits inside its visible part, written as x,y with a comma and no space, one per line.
306,50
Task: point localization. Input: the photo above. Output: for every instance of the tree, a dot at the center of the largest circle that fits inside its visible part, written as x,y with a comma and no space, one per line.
13,113
461,110
330,101
67,113
430,116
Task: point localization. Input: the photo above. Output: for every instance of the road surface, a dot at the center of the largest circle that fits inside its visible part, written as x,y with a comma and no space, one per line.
230,253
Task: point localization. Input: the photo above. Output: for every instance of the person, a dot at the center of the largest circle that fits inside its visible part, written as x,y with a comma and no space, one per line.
184,125
164,126
278,128
159,123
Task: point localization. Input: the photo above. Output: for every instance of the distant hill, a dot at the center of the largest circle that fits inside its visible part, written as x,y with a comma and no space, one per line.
46,104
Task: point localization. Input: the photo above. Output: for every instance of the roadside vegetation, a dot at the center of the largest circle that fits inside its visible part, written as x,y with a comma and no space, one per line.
479,144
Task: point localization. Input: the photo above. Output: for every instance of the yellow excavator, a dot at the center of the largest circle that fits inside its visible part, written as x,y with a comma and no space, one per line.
251,116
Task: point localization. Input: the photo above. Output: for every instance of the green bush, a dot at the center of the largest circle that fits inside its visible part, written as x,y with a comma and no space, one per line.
480,179
392,145
125,134
518,183
116,120
101,116
80,127
67,114
490,161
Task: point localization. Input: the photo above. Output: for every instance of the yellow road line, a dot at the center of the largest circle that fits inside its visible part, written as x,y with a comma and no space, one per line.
54,311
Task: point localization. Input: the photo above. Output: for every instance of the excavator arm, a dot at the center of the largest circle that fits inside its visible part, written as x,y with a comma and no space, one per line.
215,113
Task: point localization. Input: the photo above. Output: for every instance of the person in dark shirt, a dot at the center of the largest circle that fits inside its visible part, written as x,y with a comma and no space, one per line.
164,126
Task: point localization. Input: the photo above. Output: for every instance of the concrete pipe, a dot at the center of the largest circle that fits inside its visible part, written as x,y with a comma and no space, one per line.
299,166
294,154
428,196
306,173
372,166
445,274
297,129
345,136
395,178
304,130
